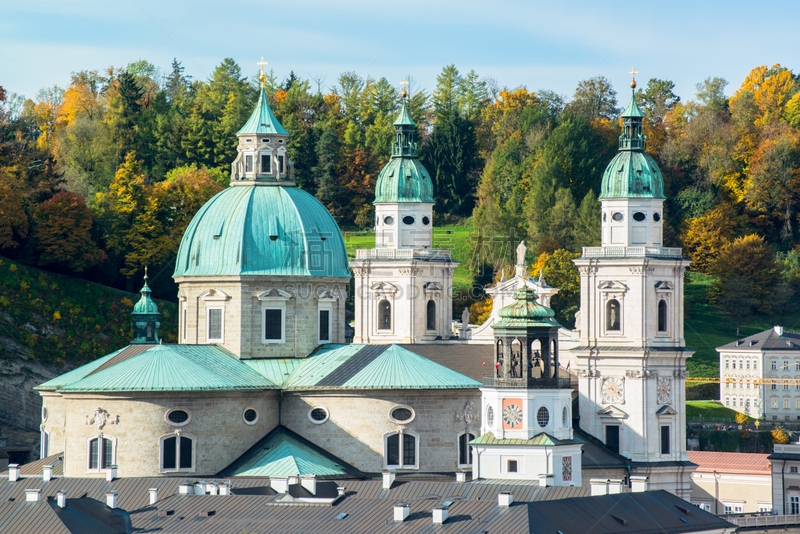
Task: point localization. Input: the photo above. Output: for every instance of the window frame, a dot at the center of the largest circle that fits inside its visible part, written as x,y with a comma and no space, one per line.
459,438
327,303
178,468
431,302
261,155
254,421
221,309
665,444
401,450
101,437
662,302
273,299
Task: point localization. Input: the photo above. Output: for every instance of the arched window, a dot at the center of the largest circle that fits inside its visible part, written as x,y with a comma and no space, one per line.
662,316
177,452
464,450
384,315
101,452
612,315
431,315
401,450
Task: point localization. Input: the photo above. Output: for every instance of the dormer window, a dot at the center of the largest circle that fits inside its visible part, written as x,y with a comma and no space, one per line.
266,164
248,163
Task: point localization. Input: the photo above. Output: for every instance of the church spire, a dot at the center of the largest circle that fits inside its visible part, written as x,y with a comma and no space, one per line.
145,317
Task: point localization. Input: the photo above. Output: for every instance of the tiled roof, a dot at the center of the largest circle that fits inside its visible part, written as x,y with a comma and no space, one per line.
175,368
283,453
539,440
731,462
766,340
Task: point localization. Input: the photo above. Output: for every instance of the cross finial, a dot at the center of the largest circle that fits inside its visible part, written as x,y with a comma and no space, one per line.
404,83
262,78
145,273
633,74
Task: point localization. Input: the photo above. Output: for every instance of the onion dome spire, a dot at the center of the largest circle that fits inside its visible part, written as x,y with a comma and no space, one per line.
145,317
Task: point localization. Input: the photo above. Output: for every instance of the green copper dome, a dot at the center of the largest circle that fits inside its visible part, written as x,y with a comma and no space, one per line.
632,173
262,230
262,120
145,306
525,312
404,178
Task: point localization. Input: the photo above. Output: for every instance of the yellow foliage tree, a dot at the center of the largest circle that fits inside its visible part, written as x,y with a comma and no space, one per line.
741,418
779,435
480,311
705,236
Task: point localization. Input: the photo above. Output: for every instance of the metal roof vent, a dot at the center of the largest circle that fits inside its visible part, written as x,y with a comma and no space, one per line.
153,495
401,511
504,499
32,495
13,472
47,473
778,330
61,499
753,343
440,514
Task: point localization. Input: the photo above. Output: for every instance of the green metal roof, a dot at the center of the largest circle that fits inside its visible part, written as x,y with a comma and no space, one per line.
525,312
283,454
632,111
632,174
404,180
76,374
262,120
539,440
404,119
373,367
174,368
275,370
262,229
146,305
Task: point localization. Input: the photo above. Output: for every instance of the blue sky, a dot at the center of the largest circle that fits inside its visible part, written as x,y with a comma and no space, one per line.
541,45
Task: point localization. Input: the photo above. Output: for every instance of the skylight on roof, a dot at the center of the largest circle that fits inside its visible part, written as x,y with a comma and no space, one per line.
341,516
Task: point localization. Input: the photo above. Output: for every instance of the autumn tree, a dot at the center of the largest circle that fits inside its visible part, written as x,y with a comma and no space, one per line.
62,233
595,98
705,236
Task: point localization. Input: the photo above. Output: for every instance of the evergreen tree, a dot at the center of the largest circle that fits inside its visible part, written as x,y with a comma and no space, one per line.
326,172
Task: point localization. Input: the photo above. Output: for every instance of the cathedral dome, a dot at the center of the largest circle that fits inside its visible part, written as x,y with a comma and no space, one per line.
632,173
262,230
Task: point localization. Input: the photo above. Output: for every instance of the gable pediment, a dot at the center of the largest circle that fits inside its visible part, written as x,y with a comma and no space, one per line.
612,412
274,293
432,286
666,410
664,285
612,285
214,294
383,287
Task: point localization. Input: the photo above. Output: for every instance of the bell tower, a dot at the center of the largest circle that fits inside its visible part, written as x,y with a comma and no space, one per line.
631,359
145,318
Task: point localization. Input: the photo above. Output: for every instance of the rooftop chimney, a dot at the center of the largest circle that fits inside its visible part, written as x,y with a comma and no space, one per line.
111,499
599,486
638,483
614,486
388,478
440,514
778,330
153,495
340,491
13,472
309,482
461,476
185,488
225,488
504,499
32,495
111,473
47,473
212,488
545,480
200,488
279,484
401,511
61,499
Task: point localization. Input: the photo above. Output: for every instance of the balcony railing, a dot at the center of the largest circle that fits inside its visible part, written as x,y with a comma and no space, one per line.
623,252
527,383
429,254
762,521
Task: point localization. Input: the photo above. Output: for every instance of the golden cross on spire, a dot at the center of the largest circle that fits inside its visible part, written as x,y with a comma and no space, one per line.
633,74
262,78
404,83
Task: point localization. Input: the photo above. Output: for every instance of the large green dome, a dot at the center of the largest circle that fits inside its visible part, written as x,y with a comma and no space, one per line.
262,230
404,180
632,174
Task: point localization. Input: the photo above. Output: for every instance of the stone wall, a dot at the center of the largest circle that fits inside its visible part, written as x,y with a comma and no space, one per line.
216,422
359,421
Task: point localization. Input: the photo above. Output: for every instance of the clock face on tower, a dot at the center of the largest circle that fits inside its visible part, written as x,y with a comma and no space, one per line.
512,415
613,390
664,390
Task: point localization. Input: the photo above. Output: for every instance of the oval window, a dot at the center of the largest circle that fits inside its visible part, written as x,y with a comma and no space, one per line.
656,217
250,416
178,417
408,219
402,414
318,415
618,216
280,141
265,140
543,417
388,220
44,413
426,221
639,216
605,217
564,417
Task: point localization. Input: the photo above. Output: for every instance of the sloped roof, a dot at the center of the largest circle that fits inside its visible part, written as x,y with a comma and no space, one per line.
731,462
595,455
373,367
175,368
465,359
539,440
262,120
276,370
283,453
91,367
766,340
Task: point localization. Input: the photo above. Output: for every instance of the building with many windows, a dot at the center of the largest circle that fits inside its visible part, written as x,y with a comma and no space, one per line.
760,375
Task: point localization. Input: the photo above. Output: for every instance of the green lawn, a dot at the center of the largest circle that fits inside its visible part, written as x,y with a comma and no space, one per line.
710,411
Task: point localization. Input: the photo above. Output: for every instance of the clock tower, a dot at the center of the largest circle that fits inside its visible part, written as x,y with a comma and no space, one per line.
526,428
631,359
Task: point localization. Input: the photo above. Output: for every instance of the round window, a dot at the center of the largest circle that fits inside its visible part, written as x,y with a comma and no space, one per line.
267,140
388,220
318,415
401,414
564,417
618,216
250,416
408,219
426,221
656,217
543,417
490,417
639,216
178,417
280,141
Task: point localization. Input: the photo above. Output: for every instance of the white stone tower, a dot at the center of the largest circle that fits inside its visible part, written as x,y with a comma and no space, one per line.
631,356
403,287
